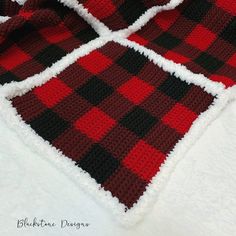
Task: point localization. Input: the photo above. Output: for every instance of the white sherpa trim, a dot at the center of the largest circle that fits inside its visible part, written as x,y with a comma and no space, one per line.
147,16
20,2
4,19
50,153
97,25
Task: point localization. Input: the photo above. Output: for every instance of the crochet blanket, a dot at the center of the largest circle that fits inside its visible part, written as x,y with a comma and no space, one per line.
115,93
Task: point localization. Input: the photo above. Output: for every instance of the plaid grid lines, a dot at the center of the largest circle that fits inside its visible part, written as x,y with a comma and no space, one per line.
199,34
40,34
119,14
118,119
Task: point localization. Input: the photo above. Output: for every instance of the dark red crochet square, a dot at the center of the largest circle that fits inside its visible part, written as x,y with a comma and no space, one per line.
165,21
118,123
126,192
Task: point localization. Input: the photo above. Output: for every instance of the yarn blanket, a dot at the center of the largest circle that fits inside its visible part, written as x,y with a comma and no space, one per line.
114,93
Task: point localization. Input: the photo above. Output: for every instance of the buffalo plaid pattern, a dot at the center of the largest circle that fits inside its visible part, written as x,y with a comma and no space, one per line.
119,14
40,34
116,114
199,34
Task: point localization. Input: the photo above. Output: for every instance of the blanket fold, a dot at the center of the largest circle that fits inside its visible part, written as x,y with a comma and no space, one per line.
41,33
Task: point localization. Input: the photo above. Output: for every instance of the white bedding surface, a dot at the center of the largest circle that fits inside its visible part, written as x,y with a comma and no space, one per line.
199,199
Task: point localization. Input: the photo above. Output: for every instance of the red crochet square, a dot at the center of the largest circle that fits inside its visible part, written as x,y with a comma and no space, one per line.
138,39
227,5
95,62
25,14
223,79
195,37
78,145
100,10
176,57
56,34
144,160
95,124
52,92
136,90
6,60
180,118
232,60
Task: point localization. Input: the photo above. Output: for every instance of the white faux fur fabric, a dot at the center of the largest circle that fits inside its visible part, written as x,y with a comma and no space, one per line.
3,18
21,2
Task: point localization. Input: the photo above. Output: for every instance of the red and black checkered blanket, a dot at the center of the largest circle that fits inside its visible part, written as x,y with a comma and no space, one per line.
100,82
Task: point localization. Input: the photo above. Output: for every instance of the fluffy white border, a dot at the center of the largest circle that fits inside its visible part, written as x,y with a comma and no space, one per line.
4,19
50,153
20,2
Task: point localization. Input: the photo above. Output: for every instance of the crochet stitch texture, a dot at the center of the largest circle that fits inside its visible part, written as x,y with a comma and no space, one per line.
86,81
